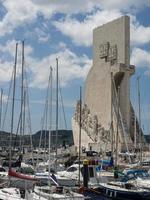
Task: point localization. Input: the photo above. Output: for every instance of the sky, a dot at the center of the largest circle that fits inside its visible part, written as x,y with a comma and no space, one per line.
63,29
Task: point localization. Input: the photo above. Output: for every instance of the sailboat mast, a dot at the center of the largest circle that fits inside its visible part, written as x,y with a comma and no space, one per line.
56,109
62,104
112,130
139,105
13,106
22,96
117,133
135,134
1,103
50,116
24,118
80,119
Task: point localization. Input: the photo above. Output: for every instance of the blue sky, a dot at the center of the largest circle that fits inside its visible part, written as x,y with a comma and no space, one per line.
63,29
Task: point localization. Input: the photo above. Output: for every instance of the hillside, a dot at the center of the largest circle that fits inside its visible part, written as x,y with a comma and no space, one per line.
64,137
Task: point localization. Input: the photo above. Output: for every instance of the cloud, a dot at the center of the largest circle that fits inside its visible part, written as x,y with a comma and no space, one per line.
40,32
78,6
81,32
65,6
19,13
5,71
71,67
9,48
7,59
140,34
126,5
140,57
5,97
97,12
42,35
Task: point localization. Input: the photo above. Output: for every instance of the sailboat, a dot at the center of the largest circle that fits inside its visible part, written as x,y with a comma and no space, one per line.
12,172
54,190
15,179
134,185
10,194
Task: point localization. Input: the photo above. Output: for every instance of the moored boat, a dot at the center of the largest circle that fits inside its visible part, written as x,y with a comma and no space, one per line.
125,191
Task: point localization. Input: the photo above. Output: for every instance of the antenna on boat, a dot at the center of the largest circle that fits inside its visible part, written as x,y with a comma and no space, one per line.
80,131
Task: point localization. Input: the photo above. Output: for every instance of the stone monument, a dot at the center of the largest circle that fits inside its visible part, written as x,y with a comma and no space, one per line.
108,82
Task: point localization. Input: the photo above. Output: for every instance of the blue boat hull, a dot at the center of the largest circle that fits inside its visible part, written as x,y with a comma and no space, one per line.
94,195
123,195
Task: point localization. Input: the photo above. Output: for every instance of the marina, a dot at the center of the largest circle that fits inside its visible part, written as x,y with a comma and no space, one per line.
104,156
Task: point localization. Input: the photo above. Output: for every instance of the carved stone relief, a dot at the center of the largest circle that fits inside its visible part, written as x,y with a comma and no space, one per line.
90,124
108,52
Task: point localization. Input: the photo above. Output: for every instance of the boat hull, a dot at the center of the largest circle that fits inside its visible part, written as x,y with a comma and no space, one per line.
117,194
